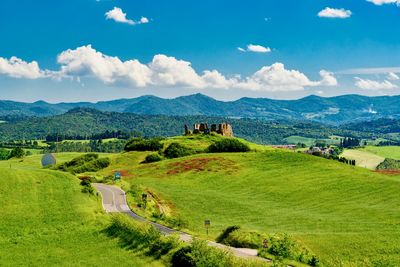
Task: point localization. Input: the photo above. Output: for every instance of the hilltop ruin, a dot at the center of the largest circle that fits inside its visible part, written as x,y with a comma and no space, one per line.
223,129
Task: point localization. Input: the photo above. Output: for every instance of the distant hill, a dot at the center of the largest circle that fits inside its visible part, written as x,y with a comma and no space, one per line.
334,110
88,121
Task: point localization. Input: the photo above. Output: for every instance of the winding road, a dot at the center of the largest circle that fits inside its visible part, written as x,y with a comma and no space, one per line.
114,200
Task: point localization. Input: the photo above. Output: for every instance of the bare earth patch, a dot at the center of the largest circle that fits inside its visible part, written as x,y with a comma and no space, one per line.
201,164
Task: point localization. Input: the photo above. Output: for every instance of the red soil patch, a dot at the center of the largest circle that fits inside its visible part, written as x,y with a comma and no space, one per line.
389,172
199,165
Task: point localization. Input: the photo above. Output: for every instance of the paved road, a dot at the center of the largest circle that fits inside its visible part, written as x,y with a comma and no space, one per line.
114,200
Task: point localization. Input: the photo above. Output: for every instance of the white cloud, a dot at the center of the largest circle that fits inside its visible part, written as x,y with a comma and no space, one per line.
118,15
367,84
85,61
334,13
277,78
17,68
162,71
328,78
255,49
383,2
393,76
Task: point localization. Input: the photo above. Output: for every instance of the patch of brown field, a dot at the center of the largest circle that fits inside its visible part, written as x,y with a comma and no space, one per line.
389,172
200,165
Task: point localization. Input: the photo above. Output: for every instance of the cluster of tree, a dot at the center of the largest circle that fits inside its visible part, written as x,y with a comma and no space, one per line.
27,144
389,164
85,123
228,145
348,142
389,143
56,137
348,161
16,152
144,144
90,162
112,146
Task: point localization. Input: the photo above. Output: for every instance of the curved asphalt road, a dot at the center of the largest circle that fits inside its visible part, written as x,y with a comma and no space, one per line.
114,200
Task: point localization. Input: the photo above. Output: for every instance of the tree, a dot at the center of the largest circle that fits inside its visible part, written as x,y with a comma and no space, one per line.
17,153
4,154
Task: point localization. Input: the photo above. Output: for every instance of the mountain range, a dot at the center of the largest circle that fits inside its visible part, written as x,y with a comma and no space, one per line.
333,110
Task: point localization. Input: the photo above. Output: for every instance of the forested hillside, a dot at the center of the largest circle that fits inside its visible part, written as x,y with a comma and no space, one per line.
87,122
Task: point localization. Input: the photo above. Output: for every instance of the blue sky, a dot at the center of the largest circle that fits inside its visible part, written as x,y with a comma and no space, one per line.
89,50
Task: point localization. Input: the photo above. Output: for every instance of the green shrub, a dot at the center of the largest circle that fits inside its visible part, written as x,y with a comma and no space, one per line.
140,144
17,153
4,154
228,145
226,232
183,258
176,150
389,164
87,163
235,237
152,158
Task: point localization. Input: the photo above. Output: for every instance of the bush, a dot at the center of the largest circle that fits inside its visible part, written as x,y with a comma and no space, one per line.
235,237
152,158
87,163
176,150
140,144
4,154
225,233
183,258
17,153
389,164
228,145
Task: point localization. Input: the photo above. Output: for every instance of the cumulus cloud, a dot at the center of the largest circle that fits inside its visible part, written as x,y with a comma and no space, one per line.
393,76
384,2
85,61
367,84
277,78
17,68
334,13
255,49
162,71
118,15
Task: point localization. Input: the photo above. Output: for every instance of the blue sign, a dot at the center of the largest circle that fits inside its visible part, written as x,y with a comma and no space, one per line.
117,176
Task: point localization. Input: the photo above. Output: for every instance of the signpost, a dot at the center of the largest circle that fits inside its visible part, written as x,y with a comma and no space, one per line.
207,224
117,176
265,243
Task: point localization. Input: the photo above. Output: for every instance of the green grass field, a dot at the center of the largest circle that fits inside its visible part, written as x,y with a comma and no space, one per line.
46,221
363,158
346,215
392,152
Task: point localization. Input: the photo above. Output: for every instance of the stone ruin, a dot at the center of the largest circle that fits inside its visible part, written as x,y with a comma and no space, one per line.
223,129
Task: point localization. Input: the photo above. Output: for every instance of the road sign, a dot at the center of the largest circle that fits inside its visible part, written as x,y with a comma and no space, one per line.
117,176
207,224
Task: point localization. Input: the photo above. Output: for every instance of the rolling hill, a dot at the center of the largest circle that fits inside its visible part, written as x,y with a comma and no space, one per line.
344,214
47,221
333,110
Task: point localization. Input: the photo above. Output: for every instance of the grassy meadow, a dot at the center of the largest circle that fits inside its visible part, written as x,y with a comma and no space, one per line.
392,152
47,221
345,215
